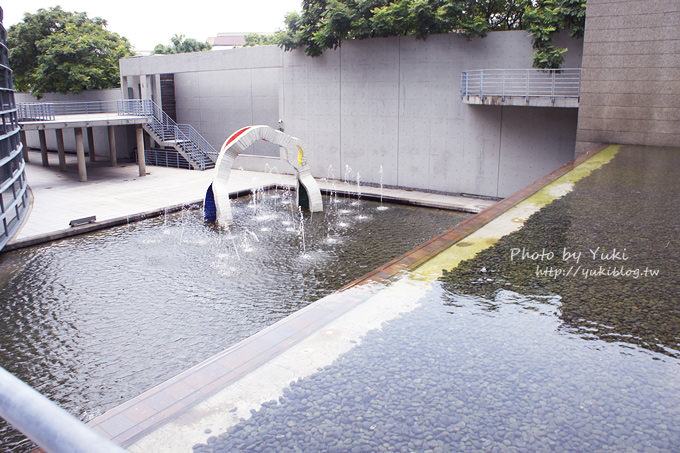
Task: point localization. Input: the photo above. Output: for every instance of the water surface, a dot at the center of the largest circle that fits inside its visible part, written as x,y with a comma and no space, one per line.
95,320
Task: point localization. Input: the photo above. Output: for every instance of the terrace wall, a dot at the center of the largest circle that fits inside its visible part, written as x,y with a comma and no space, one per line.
390,101
394,102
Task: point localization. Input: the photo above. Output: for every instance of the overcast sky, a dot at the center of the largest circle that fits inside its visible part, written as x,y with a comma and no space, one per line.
146,23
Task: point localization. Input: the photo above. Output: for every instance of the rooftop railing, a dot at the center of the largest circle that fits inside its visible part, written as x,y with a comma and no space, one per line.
546,83
47,111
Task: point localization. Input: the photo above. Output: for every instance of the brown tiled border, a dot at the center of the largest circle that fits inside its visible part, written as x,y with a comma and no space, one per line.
413,259
130,421
127,423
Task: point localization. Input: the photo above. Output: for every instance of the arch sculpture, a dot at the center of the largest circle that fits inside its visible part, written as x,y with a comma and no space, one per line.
216,206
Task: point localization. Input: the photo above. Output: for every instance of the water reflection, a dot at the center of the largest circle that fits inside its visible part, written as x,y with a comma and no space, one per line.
95,320
465,373
614,263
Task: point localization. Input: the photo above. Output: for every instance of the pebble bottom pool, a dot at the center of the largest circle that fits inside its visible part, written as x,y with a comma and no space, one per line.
503,355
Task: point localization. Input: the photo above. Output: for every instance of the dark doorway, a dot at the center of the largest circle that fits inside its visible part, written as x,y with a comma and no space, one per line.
168,95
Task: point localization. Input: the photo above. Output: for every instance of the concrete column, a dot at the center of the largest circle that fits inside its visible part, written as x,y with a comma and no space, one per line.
140,151
90,144
60,149
80,153
22,135
145,82
43,148
156,89
124,86
112,146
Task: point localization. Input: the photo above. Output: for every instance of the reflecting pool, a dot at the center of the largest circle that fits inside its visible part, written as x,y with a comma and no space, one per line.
527,346
95,320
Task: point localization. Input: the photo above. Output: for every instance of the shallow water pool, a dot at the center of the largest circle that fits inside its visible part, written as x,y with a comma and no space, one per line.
95,320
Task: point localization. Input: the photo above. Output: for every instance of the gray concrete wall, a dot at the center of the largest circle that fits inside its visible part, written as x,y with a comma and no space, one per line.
125,135
220,92
394,102
390,102
630,90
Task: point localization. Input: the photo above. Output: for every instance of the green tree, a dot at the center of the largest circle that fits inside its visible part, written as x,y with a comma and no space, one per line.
324,24
258,39
182,45
549,17
56,50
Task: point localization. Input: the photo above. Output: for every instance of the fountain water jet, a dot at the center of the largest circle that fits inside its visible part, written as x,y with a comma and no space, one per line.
216,203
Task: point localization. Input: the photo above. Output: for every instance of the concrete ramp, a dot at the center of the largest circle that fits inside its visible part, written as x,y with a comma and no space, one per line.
216,204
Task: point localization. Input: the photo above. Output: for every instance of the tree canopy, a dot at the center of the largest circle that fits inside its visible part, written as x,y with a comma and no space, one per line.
324,24
261,39
182,45
59,51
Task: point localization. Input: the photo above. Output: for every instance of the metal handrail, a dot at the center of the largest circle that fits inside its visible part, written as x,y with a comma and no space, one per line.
165,158
196,147
48,425
552,83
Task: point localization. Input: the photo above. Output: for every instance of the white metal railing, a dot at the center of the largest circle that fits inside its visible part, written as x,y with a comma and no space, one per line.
46,111
202,154
48,425
525,83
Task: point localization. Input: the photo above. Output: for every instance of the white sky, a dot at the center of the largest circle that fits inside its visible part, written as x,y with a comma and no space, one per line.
146,23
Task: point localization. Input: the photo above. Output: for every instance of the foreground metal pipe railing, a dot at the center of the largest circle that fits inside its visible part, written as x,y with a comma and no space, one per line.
45,423
525,83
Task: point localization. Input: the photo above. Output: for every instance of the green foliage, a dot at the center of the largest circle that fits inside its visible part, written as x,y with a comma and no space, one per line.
324,24
56,50
547,18
181,45
257,39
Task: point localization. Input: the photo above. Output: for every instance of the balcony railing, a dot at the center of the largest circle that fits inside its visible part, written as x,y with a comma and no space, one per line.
526,83
47,111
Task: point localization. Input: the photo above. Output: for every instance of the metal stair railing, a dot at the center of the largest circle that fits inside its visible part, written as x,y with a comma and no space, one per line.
197,138
200,153
198,150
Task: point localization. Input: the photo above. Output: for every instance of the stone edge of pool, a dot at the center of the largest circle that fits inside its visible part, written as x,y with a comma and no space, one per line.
215,394
467,204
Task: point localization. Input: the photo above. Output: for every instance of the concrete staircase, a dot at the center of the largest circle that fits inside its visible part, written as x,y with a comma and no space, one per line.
183,138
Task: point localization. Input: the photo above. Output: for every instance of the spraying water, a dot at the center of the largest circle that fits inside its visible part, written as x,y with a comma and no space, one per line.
381,207
301,231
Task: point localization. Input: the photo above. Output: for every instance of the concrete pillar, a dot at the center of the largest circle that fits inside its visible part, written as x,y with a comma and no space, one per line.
145,83
80,153
90,144
22,135
112,146
43,148
140,151
156,89
124,86
60,149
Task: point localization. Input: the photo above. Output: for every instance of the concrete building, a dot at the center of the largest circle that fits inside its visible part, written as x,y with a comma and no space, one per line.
390,109
630,92
14,199
390,103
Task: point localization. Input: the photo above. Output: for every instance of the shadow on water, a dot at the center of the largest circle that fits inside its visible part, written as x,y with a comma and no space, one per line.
624,221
